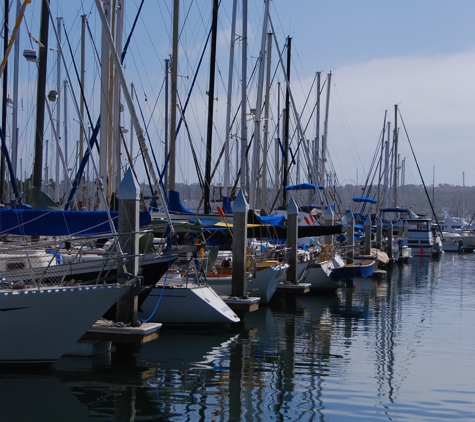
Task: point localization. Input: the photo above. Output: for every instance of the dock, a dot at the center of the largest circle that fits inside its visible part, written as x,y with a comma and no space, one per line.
299,288
104,330
249,304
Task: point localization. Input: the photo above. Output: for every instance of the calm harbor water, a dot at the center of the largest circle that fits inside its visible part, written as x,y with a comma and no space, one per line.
400,349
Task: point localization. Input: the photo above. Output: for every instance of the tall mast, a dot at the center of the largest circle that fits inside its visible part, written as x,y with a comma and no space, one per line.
209,137
228,108
325,131
266,126
395,157
174,70
167,132
65,105
40,95
285,181
116,133
386,168
257,115
81,109
105,112
16,59
316,148
4,101
244,97
58,108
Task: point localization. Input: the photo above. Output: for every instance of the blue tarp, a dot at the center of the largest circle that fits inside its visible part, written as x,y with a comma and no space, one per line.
59,222
174,203
277,220
360,199
302,186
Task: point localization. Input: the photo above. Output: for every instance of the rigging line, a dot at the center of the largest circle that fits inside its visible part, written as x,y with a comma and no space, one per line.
192,85
195,157
10,167
153,155
124,51
420,173
92,40
308,121
81,88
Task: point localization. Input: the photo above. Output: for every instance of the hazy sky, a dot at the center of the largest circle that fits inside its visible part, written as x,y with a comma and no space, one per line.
419,54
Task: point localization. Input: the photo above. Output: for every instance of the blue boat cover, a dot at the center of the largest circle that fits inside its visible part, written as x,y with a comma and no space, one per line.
227,208
302,186
59,222
175,204
364,199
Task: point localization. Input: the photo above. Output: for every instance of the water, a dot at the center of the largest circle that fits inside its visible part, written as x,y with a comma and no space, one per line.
400,349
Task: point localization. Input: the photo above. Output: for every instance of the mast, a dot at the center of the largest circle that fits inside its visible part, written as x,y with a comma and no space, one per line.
105,114
174,70
386,168
228,108
58,108
286,126
257,115
4,101
209,137
116,132
266,126
244,97
316,148
40,95
325,131
65,105
16,58
81,110
167,133
395,157
277,152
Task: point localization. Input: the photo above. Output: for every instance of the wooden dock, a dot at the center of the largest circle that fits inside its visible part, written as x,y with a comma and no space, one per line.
116,333
249,304
299,288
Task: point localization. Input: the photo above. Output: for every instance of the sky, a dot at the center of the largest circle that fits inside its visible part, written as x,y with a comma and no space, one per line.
418,55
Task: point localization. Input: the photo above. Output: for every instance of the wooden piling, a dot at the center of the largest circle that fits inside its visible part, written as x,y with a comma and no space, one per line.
240,208
292,239
350,235
126,310
367,235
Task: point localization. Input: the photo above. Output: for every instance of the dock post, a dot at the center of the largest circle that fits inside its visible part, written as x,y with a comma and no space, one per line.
126,310
329,221
379,232
390,240
238,287
292,236
350,235
367,235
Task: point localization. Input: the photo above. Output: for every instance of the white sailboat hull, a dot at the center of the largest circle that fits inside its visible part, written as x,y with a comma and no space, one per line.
181,305
38,325
317,275
263,285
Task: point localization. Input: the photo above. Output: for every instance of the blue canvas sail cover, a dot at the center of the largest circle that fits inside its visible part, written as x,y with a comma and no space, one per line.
227,208
364,199
302,186
60,222
175,204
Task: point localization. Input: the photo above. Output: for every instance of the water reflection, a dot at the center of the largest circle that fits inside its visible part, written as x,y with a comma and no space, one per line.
372,352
